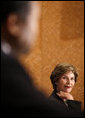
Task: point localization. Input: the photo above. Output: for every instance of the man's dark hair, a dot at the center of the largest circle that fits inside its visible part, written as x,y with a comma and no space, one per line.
18,7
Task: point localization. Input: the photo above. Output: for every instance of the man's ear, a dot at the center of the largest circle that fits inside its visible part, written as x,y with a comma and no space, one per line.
13,26
56,83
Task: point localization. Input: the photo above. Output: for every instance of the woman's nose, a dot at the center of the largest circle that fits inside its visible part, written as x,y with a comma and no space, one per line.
69,81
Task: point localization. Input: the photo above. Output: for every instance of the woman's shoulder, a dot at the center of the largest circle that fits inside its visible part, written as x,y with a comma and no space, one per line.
54,97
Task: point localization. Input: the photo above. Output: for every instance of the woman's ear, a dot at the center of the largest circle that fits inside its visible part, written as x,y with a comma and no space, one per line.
13,26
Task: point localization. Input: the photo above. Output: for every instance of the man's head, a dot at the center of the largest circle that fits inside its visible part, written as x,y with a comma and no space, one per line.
19,24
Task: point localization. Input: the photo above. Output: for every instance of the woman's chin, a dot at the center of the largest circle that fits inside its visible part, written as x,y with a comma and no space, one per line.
67,91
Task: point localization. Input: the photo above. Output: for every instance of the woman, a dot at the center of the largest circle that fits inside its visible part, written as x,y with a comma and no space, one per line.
63,79
19,28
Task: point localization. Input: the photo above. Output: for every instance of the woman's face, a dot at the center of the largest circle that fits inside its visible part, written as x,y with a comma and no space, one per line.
66,82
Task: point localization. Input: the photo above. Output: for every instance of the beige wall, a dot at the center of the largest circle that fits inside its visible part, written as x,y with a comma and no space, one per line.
61,39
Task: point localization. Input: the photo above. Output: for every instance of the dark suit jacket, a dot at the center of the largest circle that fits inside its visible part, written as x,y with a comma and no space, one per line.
18,95
71,105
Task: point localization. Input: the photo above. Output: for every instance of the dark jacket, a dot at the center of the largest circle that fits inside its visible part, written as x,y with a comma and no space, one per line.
71,105
18,95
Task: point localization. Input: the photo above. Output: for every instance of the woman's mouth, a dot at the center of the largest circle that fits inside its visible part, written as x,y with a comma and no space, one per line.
68,86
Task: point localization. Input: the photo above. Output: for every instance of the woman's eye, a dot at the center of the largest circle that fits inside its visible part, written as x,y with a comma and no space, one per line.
72,78
64,77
